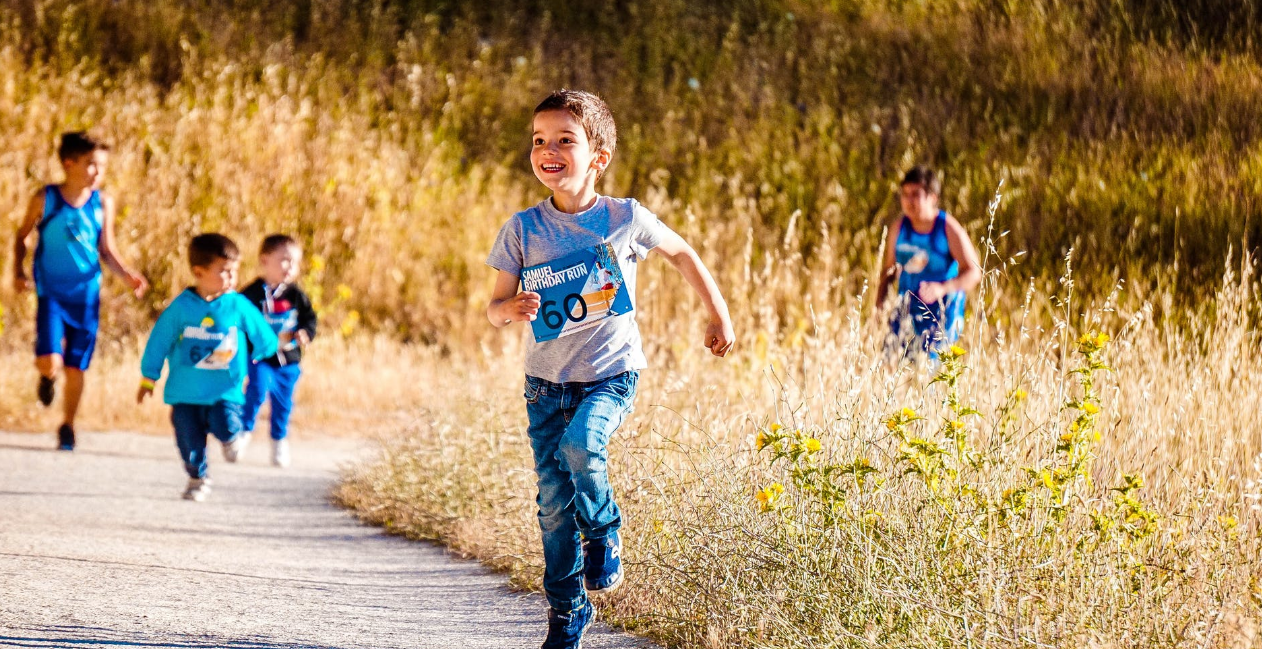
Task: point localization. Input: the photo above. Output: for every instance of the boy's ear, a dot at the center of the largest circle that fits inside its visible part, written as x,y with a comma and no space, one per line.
602,160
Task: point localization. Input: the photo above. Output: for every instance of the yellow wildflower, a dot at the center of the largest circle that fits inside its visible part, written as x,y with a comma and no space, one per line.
1228,522
957,425
956,350
761,441
775,428
908,413
1020,395
1090,408
812,445
777,488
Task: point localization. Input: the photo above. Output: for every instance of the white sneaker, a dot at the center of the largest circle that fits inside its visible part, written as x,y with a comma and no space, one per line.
197,490
280,452
235,448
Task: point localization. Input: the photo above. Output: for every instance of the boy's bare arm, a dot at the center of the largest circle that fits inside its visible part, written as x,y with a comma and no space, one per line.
507,305
109,252
34,210
965,255
719,336
889,270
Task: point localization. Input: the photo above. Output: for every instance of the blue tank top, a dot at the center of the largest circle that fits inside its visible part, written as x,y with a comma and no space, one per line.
927,258
67,258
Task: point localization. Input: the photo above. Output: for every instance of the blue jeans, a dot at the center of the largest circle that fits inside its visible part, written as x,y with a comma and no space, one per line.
267,380
193,423
570,427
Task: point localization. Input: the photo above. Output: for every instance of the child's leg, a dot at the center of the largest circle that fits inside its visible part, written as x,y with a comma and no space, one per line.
562,550
191,424
81,324
50,334
224,420
583,452
284,379
255,392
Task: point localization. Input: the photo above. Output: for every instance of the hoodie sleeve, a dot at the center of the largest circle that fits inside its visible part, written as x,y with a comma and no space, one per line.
306,313
161,341
258,333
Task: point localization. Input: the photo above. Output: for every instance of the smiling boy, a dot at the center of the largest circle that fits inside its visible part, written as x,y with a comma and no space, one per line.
75,222
583,363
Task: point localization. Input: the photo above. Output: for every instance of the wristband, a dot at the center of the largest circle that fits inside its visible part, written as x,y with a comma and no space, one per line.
146,384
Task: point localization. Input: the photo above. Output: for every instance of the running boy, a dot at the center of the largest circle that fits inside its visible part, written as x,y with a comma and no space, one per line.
75,221
202,337
935,264
583,363
288,310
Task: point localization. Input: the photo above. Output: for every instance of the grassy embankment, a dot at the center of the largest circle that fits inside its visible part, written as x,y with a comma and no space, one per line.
769,134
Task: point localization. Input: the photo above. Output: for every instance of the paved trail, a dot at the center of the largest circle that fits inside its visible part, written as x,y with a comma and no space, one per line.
98,550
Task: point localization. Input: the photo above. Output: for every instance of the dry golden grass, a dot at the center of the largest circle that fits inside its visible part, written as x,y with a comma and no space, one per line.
892,564
390,138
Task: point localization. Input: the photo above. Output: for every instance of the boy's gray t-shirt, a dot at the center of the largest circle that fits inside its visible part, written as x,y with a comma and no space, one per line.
542,234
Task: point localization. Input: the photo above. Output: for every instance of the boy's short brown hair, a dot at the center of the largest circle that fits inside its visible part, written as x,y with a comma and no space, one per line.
274,242
590,111
925,177
78,143
205,248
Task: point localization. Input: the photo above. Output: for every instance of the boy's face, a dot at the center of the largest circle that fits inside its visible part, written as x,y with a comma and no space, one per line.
561,155
218,277
281,265
917,202
87,170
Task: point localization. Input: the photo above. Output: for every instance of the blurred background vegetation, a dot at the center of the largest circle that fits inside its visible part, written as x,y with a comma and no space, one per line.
392,136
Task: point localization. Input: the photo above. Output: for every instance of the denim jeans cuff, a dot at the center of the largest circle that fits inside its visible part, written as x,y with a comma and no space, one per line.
563,605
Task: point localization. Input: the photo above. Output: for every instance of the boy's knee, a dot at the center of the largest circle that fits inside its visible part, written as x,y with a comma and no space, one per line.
578,455
49,364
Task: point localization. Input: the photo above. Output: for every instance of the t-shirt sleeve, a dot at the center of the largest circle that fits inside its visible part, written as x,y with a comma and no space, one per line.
647,231
507,254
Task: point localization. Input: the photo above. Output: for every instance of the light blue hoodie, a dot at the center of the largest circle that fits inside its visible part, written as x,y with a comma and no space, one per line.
204,344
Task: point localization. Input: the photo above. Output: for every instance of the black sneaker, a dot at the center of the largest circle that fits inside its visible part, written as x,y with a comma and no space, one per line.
602,564
45,390
565,630
65,438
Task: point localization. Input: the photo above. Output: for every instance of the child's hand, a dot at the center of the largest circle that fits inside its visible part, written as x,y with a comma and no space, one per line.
523,307
145,391
139,285
719,336
303,337
932,292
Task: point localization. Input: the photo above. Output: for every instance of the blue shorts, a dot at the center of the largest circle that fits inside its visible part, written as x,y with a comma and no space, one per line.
68,330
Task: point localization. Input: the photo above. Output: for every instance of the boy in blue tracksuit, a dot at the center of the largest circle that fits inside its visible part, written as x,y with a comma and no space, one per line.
203,337
289,311
75,224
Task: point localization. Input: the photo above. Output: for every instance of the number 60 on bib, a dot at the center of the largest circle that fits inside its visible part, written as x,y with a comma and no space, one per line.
576,292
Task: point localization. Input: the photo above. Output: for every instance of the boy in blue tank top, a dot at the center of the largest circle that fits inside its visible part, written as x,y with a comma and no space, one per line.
930,256
567,266
75,221
205,338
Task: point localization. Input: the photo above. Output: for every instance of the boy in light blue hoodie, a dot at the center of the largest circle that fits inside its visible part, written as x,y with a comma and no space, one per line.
204,337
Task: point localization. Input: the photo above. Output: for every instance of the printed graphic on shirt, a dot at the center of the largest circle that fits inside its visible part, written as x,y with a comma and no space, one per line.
577,292
919,258
283,318
209,349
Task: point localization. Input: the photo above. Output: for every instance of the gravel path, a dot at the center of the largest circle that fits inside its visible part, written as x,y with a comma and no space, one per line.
98,550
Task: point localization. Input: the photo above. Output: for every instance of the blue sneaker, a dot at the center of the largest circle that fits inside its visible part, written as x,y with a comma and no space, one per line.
565,630
602,564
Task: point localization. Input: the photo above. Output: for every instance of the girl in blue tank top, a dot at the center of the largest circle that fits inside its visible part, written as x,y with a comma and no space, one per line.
935,264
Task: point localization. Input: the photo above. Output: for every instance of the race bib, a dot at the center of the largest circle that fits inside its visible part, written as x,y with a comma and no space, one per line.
576,292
